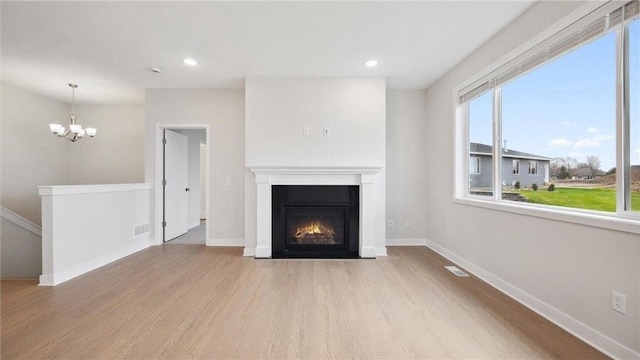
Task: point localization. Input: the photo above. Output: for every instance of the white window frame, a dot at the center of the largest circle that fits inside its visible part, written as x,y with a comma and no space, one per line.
534,167
622,220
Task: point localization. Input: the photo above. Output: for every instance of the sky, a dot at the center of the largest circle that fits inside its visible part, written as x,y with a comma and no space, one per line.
567,106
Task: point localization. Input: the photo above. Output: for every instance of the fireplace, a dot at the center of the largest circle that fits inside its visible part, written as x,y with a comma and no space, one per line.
315,221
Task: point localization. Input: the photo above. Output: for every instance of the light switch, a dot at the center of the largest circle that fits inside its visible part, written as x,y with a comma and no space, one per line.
227,181
326,131
305,131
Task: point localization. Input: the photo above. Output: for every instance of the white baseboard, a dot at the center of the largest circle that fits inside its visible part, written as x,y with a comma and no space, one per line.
263,252
407,242
381,251
591,336
55,279
20,221
249,251
368,252
225,242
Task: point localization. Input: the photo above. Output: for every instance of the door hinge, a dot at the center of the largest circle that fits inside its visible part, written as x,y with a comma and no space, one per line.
164,141
164,182
164,224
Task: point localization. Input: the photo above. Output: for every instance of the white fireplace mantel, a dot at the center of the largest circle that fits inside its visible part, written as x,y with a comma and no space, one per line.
365,177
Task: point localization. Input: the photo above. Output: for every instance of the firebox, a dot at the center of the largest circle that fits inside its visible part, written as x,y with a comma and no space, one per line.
315,221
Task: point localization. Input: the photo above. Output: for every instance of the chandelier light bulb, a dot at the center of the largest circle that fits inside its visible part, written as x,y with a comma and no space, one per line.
92,132
75,128
55,128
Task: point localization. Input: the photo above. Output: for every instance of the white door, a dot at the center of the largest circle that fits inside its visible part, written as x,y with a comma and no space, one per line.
176,184
546,173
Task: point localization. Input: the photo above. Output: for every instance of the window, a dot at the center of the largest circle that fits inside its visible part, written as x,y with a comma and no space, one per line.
479,114
558,107
516,167
474,165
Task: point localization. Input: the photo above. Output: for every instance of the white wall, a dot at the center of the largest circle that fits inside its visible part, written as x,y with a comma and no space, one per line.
565,270
96,229
194,138
31,155
116,154
223,111
406,171
279,108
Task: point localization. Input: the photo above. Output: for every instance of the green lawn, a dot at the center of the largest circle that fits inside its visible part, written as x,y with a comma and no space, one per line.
592,199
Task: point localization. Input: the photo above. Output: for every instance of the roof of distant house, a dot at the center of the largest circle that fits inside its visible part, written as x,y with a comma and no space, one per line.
482,149
587,172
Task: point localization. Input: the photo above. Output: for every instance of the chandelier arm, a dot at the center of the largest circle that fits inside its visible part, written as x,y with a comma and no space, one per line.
73,137
64,134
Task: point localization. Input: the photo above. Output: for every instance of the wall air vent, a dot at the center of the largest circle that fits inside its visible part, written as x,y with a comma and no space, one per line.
140,230
456,271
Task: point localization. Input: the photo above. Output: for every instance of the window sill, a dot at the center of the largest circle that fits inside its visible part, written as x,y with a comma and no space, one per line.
583,217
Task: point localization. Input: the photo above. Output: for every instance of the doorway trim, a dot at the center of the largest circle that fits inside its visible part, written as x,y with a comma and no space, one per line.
157,184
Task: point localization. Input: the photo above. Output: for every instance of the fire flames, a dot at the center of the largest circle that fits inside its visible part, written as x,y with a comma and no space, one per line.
315,230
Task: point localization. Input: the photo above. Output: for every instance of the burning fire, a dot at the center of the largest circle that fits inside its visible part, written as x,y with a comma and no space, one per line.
315,229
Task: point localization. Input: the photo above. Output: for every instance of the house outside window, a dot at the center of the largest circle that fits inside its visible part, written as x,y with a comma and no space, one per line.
533,168
516,167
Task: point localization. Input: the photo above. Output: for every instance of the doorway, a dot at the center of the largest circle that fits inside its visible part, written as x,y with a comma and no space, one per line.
182,184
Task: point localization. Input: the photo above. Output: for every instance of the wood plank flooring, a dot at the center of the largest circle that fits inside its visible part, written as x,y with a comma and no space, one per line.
196,302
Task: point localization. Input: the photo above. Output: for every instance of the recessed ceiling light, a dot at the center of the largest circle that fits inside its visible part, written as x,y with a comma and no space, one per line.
190,62
371,63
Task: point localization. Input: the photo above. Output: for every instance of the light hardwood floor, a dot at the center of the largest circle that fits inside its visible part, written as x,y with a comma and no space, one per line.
200,302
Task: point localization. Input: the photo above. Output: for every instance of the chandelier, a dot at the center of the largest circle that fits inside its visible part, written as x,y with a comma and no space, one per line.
75,131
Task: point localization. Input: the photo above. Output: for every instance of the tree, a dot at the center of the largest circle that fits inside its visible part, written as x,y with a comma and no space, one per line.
562,173
570,163
555,165
593,163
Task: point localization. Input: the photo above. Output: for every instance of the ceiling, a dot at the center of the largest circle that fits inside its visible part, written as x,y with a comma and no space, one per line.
108,48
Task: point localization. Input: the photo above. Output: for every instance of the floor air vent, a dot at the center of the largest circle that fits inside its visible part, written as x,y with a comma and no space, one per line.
140,230
456,271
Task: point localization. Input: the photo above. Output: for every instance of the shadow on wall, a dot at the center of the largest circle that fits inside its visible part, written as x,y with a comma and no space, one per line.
20,252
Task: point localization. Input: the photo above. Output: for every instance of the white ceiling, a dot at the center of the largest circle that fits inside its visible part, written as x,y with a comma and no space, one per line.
107,48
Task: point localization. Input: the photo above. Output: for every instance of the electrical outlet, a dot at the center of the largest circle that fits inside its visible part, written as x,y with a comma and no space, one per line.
407,224
227,181
223,224
391,223
619,302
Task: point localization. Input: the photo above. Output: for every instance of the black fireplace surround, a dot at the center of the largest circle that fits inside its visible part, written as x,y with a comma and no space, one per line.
315,221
